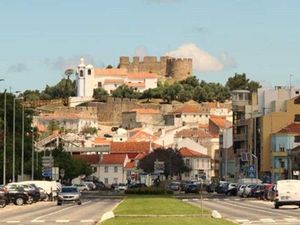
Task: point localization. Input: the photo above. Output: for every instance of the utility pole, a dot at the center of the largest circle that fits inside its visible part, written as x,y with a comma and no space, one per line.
32,159
22,156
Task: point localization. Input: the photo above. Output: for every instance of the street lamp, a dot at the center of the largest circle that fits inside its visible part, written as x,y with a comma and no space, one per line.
14,137
4,138
22,154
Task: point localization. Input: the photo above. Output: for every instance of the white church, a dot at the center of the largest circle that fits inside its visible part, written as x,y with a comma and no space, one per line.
89,78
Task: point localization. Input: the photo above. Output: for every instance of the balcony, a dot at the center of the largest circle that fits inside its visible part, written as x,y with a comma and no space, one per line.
279,154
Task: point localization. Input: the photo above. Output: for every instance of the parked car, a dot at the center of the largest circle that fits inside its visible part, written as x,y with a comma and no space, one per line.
121,187
33,192
222,187
192,188
231,189
69,194
271,195
4,196
174,186
90,185
258,191
100,185
240,190
82,187
17,194
43,195
248,190
287,193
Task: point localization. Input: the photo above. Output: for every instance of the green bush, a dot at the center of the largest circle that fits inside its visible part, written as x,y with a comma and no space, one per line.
148,191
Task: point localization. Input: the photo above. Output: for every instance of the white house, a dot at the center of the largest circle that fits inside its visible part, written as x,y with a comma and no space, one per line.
112,168
89,78
199,164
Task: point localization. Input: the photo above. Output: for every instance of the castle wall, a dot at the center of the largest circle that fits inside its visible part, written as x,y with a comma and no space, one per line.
178,69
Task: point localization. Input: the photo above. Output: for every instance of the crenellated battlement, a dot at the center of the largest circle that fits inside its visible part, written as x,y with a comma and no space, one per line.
165,66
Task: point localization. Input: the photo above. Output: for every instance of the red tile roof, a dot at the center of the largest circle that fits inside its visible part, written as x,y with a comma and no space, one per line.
113,159
142,136
130,147
293,128
220,121
90,159
189,108
110,72
195,133
101,141
186,152
130,165
113,81
141,75
140,156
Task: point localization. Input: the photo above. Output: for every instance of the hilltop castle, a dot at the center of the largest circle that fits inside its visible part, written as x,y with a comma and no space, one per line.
166,67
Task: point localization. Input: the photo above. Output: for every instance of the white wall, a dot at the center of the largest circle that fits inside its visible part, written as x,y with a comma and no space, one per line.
196,164
111,174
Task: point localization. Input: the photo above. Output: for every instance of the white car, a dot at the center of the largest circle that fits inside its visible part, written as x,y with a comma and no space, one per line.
241,189
121,187
247,190
287,193
82,187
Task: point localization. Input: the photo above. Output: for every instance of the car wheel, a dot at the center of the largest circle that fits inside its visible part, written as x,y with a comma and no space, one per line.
19,201
46,198
276,206
29,201
2,203
58,203
79,203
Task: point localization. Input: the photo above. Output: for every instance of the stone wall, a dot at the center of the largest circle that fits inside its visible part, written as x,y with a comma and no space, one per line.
177,69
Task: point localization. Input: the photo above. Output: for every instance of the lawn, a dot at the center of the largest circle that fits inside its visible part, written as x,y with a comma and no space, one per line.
161,211
145,205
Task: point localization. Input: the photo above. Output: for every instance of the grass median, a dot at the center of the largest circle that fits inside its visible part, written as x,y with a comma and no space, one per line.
154,210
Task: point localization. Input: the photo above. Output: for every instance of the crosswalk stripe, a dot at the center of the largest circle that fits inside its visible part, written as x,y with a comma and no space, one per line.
87,221
293,220
62,221
37,221
242,220
268,220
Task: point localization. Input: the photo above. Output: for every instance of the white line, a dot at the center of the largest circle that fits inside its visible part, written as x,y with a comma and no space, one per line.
13,221
268,220
38,218
37,221
242,220
87,221
62,221
293,220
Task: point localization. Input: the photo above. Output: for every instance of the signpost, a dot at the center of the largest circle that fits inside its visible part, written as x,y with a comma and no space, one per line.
251,171
47,163
47,172
159,167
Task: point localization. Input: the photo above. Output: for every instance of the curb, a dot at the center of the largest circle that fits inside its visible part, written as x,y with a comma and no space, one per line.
110,214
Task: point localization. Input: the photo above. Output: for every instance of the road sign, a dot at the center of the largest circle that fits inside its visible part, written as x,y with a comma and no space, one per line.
55,173
47,172
47,161
159,166
62,173
251,171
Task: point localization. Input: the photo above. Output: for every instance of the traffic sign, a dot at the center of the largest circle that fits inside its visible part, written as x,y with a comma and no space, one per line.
251,171
47,161
47,172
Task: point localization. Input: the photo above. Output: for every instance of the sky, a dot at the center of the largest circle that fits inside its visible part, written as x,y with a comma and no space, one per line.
39,39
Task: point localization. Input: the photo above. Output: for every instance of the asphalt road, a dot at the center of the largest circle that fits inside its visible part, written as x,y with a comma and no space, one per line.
250,211
48,213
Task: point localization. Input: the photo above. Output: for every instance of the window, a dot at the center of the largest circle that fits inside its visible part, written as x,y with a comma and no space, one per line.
99,84
194,115
297,118
81,73
89,71
297,139
186,174
115,169
106,180
187,162
116,85
297,92
282,149
202,163
115,180
106,169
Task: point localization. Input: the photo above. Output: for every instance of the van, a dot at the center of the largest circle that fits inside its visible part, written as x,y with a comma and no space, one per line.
287,193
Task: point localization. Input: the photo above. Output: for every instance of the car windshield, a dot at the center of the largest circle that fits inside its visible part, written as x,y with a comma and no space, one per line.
69,189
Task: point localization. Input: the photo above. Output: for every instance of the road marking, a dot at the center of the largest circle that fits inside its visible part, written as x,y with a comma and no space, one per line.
87,221
13,221
58,211
62,221
185,200
37,221
292,220
242,220
195,199
268,220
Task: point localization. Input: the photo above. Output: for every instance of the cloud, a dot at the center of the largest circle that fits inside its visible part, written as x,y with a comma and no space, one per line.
227,60
62,63
141,51
202,61
17,68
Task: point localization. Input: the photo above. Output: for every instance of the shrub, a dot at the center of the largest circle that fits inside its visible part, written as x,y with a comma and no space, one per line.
148,191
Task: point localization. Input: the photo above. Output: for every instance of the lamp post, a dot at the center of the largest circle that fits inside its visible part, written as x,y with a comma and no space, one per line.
32,159
4,139
14,138
22,156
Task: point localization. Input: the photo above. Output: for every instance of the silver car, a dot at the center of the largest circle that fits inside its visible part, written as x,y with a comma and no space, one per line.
69,194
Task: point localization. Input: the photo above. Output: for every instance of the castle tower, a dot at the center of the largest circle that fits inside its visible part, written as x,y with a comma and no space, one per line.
179,69
80,78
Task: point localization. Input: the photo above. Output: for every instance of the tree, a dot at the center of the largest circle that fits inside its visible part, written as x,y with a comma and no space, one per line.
173,162
30,95
241,82
73,168
53,125
147,94
124,91
170,92
89,130
100,94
